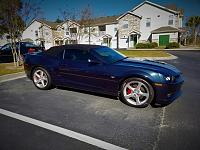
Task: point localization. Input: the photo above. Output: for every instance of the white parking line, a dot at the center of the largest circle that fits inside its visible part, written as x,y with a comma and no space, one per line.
14,78
63,131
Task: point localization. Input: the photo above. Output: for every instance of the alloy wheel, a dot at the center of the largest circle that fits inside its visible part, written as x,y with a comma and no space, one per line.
40,79
136,93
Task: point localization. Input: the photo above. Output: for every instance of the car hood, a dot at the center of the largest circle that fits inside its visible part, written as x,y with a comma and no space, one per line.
157,66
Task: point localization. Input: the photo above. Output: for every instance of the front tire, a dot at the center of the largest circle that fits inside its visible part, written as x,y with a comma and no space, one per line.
136,92
41,78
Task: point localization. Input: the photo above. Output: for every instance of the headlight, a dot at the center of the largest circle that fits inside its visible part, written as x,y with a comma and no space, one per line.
170,78
167,78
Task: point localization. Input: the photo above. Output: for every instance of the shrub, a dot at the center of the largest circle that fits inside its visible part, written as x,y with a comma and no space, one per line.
141,45
146,45
173,45
154,44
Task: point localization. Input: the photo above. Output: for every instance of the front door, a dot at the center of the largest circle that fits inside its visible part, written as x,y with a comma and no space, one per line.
107,41
163,40
133,40
76,71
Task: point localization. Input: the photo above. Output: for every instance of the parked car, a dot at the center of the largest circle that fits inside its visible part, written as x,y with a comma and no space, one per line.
103,70
25,47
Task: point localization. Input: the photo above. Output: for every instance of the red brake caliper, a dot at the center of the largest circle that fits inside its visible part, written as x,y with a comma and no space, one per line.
129,91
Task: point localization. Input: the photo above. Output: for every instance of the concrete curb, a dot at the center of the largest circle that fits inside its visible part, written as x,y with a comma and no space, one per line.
171,57
186,49
176,49
13,76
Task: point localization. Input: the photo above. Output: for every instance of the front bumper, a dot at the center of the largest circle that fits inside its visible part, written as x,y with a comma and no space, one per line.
167,93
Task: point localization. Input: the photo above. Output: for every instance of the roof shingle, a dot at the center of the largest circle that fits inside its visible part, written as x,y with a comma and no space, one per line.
165,29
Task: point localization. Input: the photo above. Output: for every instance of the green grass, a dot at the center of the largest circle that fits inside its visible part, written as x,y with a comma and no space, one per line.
144,53
8,68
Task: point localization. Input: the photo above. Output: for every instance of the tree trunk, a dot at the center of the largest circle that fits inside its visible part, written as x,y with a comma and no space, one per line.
195,37
193,32
89,35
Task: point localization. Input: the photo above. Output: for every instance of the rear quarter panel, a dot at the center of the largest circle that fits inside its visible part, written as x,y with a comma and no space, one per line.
34,60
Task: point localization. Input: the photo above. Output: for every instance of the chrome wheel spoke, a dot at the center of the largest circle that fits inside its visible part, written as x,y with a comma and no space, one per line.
42,74
144,94
37,75
37,81
137,98
131,88
45,78
128,96
42,81
139,85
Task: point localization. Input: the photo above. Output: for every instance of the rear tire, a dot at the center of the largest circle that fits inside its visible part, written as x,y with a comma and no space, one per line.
41,78
136,92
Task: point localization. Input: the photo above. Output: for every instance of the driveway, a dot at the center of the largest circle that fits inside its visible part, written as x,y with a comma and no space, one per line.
104,118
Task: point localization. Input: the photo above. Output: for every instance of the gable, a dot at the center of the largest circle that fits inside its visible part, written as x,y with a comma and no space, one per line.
70,24
130,14
147,10
155,6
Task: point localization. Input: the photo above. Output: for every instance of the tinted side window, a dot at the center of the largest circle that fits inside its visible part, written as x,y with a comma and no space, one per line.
6,47
77,55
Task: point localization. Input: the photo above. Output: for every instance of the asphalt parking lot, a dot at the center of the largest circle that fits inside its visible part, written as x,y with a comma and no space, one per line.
175,126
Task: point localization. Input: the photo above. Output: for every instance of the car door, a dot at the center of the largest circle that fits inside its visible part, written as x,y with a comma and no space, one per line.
76,71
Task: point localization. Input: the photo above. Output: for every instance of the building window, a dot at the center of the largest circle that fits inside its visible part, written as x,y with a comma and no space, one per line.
85,30
171,20
36,33
102,28
125,24
47,33
93,30
67,32
73,30
148,22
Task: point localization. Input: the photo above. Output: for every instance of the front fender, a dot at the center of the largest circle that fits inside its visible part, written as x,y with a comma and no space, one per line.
150,76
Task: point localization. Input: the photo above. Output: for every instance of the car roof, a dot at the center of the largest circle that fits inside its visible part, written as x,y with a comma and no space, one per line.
59,49
76,46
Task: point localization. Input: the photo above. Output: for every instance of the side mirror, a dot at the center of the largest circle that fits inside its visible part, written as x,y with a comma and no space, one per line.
92,61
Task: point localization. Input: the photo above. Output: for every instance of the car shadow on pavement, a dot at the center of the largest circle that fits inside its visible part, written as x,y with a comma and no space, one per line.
153,104
87,92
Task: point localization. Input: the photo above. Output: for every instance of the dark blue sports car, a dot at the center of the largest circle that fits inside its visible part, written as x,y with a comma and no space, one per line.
103,70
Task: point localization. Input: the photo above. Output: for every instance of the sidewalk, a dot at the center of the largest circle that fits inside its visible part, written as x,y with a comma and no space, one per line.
157,58
175,49
13,76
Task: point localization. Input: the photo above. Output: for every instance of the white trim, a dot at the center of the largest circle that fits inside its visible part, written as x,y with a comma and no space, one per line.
128,12
62,131
155,5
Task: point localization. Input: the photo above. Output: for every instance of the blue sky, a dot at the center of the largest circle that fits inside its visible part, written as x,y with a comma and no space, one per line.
51,8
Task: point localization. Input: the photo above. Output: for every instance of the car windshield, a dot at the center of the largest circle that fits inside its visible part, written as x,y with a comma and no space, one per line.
109,55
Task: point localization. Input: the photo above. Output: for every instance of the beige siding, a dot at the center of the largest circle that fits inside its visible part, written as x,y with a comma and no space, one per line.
133,24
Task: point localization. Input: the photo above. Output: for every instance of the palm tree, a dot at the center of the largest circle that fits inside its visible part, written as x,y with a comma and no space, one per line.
194,23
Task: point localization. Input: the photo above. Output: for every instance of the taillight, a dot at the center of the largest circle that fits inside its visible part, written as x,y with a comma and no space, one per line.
31,50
